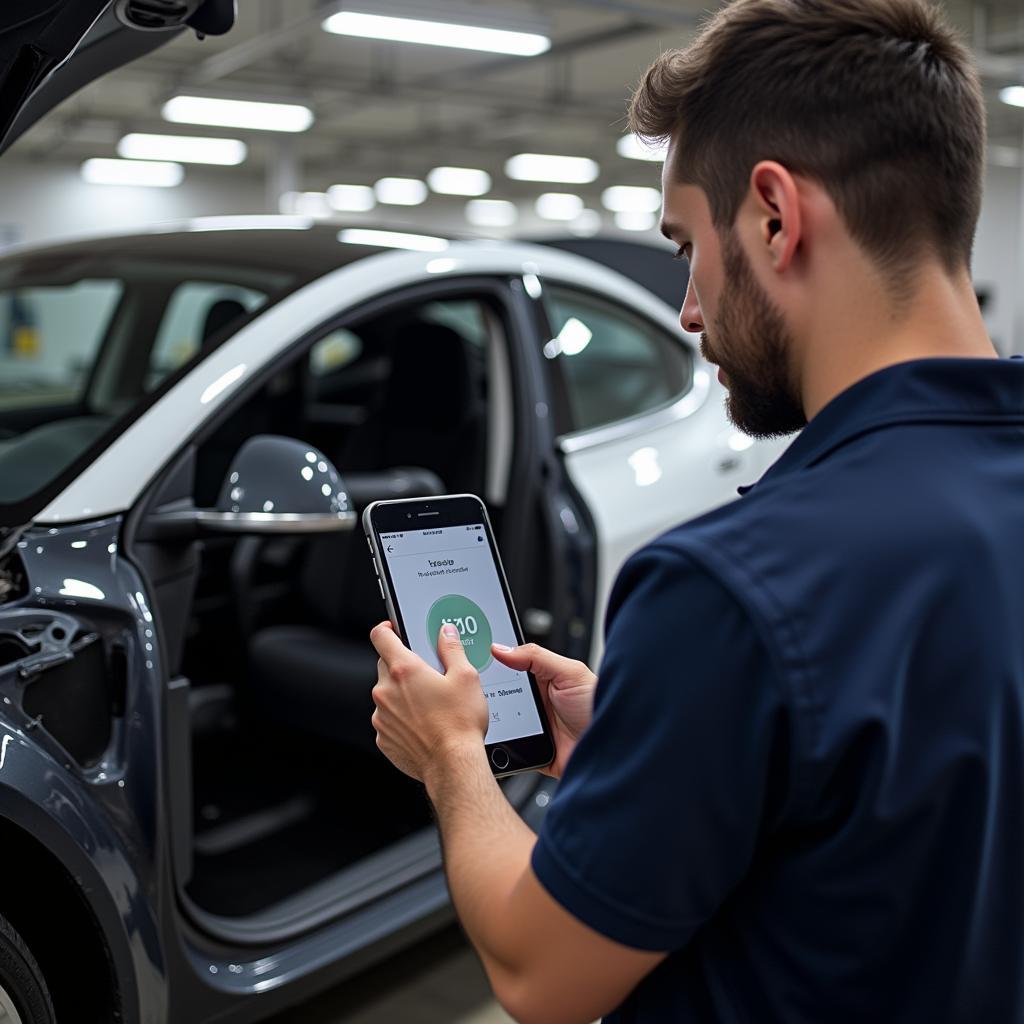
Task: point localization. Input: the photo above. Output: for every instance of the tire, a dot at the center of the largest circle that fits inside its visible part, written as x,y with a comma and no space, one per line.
24,997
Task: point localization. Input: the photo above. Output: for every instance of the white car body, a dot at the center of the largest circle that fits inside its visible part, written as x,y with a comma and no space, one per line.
639,477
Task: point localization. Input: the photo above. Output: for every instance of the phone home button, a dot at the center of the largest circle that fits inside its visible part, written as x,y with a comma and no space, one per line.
499,758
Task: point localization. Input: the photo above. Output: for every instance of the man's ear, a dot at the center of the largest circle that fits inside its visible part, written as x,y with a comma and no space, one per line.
776,202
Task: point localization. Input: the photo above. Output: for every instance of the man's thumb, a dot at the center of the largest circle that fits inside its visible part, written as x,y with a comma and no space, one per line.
513,657
449,647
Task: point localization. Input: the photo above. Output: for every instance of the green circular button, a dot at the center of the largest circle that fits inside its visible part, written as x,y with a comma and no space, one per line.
469,620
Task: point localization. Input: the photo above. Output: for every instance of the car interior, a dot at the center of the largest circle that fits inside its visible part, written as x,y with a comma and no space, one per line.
267,636
284,762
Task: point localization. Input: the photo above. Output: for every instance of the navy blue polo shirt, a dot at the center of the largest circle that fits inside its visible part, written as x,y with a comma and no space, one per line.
804,778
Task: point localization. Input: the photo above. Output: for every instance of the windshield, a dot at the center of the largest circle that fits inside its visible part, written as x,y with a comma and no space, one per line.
86,343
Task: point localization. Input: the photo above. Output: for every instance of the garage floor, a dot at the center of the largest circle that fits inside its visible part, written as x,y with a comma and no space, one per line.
440,981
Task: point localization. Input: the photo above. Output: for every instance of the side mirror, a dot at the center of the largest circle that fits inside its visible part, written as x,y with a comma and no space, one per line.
275,485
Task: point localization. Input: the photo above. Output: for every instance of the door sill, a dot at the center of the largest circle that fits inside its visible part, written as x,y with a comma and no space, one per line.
345,892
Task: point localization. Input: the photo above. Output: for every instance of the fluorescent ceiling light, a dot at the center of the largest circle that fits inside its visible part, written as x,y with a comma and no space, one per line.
351,198
631,198
188,149
250,222
636,147
491,213
157,174
634,220
1013,95
260,116
558,206
392,239
400,191
1004,156
305,204
574,170
586,224
436,33
459,181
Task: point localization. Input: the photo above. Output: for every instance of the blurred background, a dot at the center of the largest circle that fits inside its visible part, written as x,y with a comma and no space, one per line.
366,122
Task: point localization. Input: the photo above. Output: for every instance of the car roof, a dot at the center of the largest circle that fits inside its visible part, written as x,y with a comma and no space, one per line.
306,253
306,249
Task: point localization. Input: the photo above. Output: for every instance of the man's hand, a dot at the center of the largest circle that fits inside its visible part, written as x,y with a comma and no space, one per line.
567,688
423,717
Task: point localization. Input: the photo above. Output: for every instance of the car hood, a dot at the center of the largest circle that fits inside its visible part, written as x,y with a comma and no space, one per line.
49,49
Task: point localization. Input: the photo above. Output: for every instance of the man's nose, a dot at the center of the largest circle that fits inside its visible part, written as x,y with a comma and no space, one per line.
690,318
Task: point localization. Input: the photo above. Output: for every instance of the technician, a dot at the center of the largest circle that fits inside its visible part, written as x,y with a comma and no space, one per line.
800,797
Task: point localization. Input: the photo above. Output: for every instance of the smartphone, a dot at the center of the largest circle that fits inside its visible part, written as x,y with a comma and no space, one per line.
437,562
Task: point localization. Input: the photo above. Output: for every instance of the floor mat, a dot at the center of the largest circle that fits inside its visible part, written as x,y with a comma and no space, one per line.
272,816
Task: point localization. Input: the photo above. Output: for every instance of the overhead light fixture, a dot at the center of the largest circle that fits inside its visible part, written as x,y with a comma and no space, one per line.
151,173
250,222
459,181
186,149
570,170
392,239
1004,156
254,114
636,147
635,220
558,206
351,198
631,198
1013,95
305,204
437,33
586,224
491,213
400,191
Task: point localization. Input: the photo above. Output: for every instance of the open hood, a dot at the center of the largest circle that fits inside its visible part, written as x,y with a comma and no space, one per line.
49,49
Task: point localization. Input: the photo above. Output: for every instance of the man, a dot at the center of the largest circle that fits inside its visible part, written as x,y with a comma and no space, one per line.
800,797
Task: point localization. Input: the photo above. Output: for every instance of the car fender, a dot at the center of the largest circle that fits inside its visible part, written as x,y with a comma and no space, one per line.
45,801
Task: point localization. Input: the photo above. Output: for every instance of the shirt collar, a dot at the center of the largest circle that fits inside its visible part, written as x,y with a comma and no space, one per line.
920,391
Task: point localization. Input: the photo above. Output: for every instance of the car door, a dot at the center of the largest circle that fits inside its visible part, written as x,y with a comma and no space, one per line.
641,425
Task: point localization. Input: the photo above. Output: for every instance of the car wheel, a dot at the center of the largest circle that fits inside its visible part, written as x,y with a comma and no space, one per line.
24,997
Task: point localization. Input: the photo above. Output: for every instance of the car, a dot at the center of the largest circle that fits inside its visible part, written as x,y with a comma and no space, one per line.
187,763
196,824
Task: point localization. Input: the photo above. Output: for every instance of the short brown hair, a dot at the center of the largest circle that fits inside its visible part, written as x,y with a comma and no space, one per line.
878,100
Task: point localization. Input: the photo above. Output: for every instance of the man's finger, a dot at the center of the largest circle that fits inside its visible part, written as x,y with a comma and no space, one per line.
385,641
450,649
532,658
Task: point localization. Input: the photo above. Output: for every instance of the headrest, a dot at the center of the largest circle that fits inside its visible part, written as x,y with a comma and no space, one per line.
222,313
431,379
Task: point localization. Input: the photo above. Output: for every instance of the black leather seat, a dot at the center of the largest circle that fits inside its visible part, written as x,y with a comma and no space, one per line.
220,316
317,675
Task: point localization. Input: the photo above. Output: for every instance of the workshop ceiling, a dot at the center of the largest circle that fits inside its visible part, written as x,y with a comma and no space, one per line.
385,109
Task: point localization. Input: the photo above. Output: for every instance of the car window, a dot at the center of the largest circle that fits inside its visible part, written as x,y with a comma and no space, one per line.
610,363
334,352
196,310
49,338
464,316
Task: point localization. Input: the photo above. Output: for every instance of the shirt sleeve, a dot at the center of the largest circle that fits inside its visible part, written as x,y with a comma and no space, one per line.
682,768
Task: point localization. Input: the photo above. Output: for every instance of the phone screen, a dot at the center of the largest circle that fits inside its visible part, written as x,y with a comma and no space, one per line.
448,574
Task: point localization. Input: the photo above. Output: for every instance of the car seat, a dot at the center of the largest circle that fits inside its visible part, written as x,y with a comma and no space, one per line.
317,675
220,316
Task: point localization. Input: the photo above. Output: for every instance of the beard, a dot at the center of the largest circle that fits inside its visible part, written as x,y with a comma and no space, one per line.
750,343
